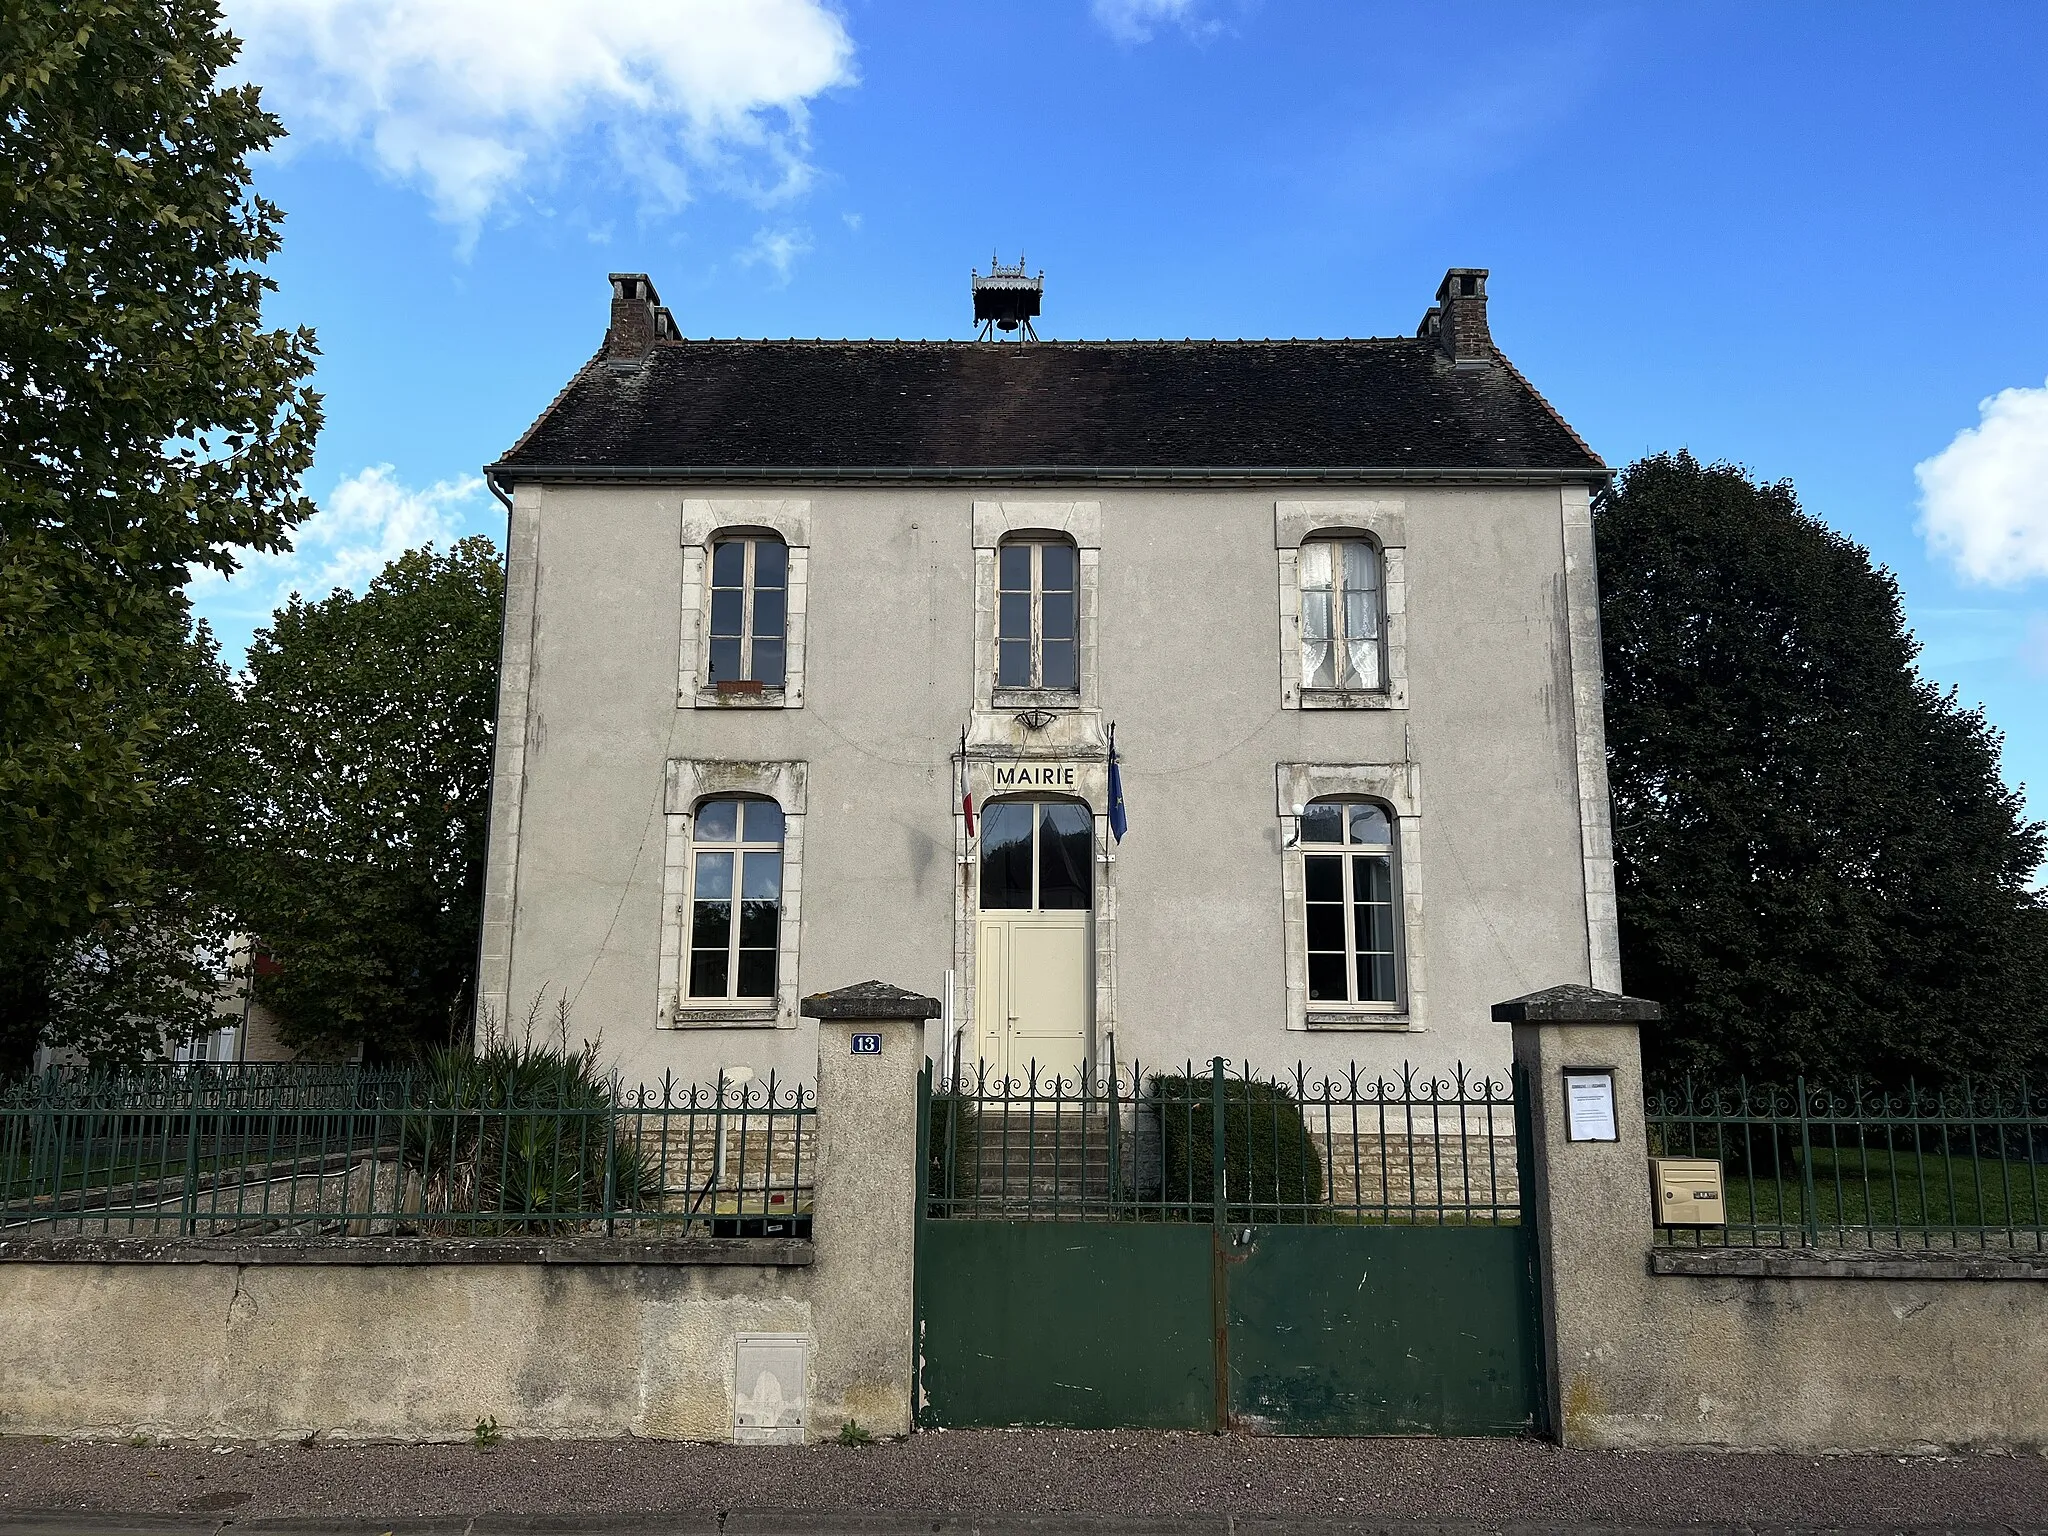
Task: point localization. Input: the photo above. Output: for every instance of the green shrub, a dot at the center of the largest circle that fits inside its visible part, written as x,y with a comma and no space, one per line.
519,1138
1271,1165
954,1166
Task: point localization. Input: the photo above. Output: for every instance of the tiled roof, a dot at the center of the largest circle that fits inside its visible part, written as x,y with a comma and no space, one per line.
1063,407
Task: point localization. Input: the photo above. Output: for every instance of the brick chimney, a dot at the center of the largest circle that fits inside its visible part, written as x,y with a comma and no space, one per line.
638,319
1458,319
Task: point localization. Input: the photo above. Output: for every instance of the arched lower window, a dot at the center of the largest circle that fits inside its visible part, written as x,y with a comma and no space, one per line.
735,898
1348,869
1340,615
1036,856
1038,614
749,610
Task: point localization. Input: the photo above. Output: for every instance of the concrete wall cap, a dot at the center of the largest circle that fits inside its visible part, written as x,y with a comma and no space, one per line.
1577,1005
1851,1264
870,1000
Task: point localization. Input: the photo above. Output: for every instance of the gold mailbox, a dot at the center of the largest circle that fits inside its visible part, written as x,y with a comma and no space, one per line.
1687,1192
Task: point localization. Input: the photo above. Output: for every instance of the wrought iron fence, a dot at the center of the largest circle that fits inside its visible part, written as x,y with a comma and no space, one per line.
1960,1166
1226,1144
208,1153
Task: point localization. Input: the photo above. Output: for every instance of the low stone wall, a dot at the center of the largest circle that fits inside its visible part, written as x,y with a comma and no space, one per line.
1823,1352
1757,1348
211,1334
1422,1172
759,1164
408,1344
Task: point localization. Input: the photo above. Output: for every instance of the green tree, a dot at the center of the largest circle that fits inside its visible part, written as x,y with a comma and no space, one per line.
149,424
368,740
150,971
1820,869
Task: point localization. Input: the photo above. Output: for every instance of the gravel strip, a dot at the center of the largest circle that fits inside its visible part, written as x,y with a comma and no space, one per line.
1115,1477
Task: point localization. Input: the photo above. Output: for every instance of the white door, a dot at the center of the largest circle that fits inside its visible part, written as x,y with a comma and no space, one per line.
1032,994
1033,986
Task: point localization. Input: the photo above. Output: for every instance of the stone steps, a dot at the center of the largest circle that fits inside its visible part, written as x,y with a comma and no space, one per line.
1015,1162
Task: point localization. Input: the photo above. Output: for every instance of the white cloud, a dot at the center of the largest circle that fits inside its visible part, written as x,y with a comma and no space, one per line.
777,250
1984,498
471,98
371,519
1133,21
368,520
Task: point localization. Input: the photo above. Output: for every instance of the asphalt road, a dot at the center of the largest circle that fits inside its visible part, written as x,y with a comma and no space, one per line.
996,1481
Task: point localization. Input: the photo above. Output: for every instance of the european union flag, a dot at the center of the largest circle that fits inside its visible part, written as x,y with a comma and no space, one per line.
1119,822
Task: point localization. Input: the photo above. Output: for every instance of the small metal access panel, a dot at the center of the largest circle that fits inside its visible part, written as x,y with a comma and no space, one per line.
768,1393
1687,1192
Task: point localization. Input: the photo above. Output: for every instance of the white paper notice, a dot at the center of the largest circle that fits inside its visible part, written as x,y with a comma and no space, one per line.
1589,1106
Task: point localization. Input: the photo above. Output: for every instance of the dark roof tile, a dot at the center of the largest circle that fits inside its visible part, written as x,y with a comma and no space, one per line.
1394,404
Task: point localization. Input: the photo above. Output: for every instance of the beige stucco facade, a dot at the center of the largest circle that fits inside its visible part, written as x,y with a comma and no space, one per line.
1488,749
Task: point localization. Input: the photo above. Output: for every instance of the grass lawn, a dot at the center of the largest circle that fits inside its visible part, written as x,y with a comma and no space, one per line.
1891,1192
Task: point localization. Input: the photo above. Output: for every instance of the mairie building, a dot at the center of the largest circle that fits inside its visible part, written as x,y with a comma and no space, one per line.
1145,701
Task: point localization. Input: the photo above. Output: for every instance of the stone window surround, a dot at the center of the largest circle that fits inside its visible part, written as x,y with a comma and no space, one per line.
690,781
1398,787
703,522
1384,524
995,521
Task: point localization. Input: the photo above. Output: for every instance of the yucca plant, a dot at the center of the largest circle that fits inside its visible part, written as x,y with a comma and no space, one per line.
519,1137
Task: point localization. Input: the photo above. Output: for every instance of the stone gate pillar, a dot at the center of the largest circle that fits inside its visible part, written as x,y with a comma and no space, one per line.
1592,1197
864,1205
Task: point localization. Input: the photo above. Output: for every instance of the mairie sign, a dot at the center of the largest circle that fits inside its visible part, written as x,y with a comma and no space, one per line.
1034,775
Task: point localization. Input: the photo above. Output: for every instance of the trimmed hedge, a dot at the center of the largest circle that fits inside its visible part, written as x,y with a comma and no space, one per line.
1269,1159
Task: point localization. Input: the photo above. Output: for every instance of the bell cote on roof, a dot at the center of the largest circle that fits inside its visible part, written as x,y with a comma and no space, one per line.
1007,300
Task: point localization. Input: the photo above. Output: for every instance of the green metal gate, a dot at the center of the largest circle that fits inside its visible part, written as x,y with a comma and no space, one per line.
1206,1250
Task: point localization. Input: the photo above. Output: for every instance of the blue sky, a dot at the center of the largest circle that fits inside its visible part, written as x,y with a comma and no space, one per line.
1808,239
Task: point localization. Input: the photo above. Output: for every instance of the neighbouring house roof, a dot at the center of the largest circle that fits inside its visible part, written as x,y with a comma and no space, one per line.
737,409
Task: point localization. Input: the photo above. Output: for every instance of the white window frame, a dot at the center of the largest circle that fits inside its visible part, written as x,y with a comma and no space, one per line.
1344,852
1037,545
739,849
998,522
705,523
691,782
1397,789
1340,638
1382,524
750,544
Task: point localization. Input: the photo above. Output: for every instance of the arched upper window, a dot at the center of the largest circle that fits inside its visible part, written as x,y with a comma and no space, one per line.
1037,617
749,609
1348,882
1341,624
1036,856
735,898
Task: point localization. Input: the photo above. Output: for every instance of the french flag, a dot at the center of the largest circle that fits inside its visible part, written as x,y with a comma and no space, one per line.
966,793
